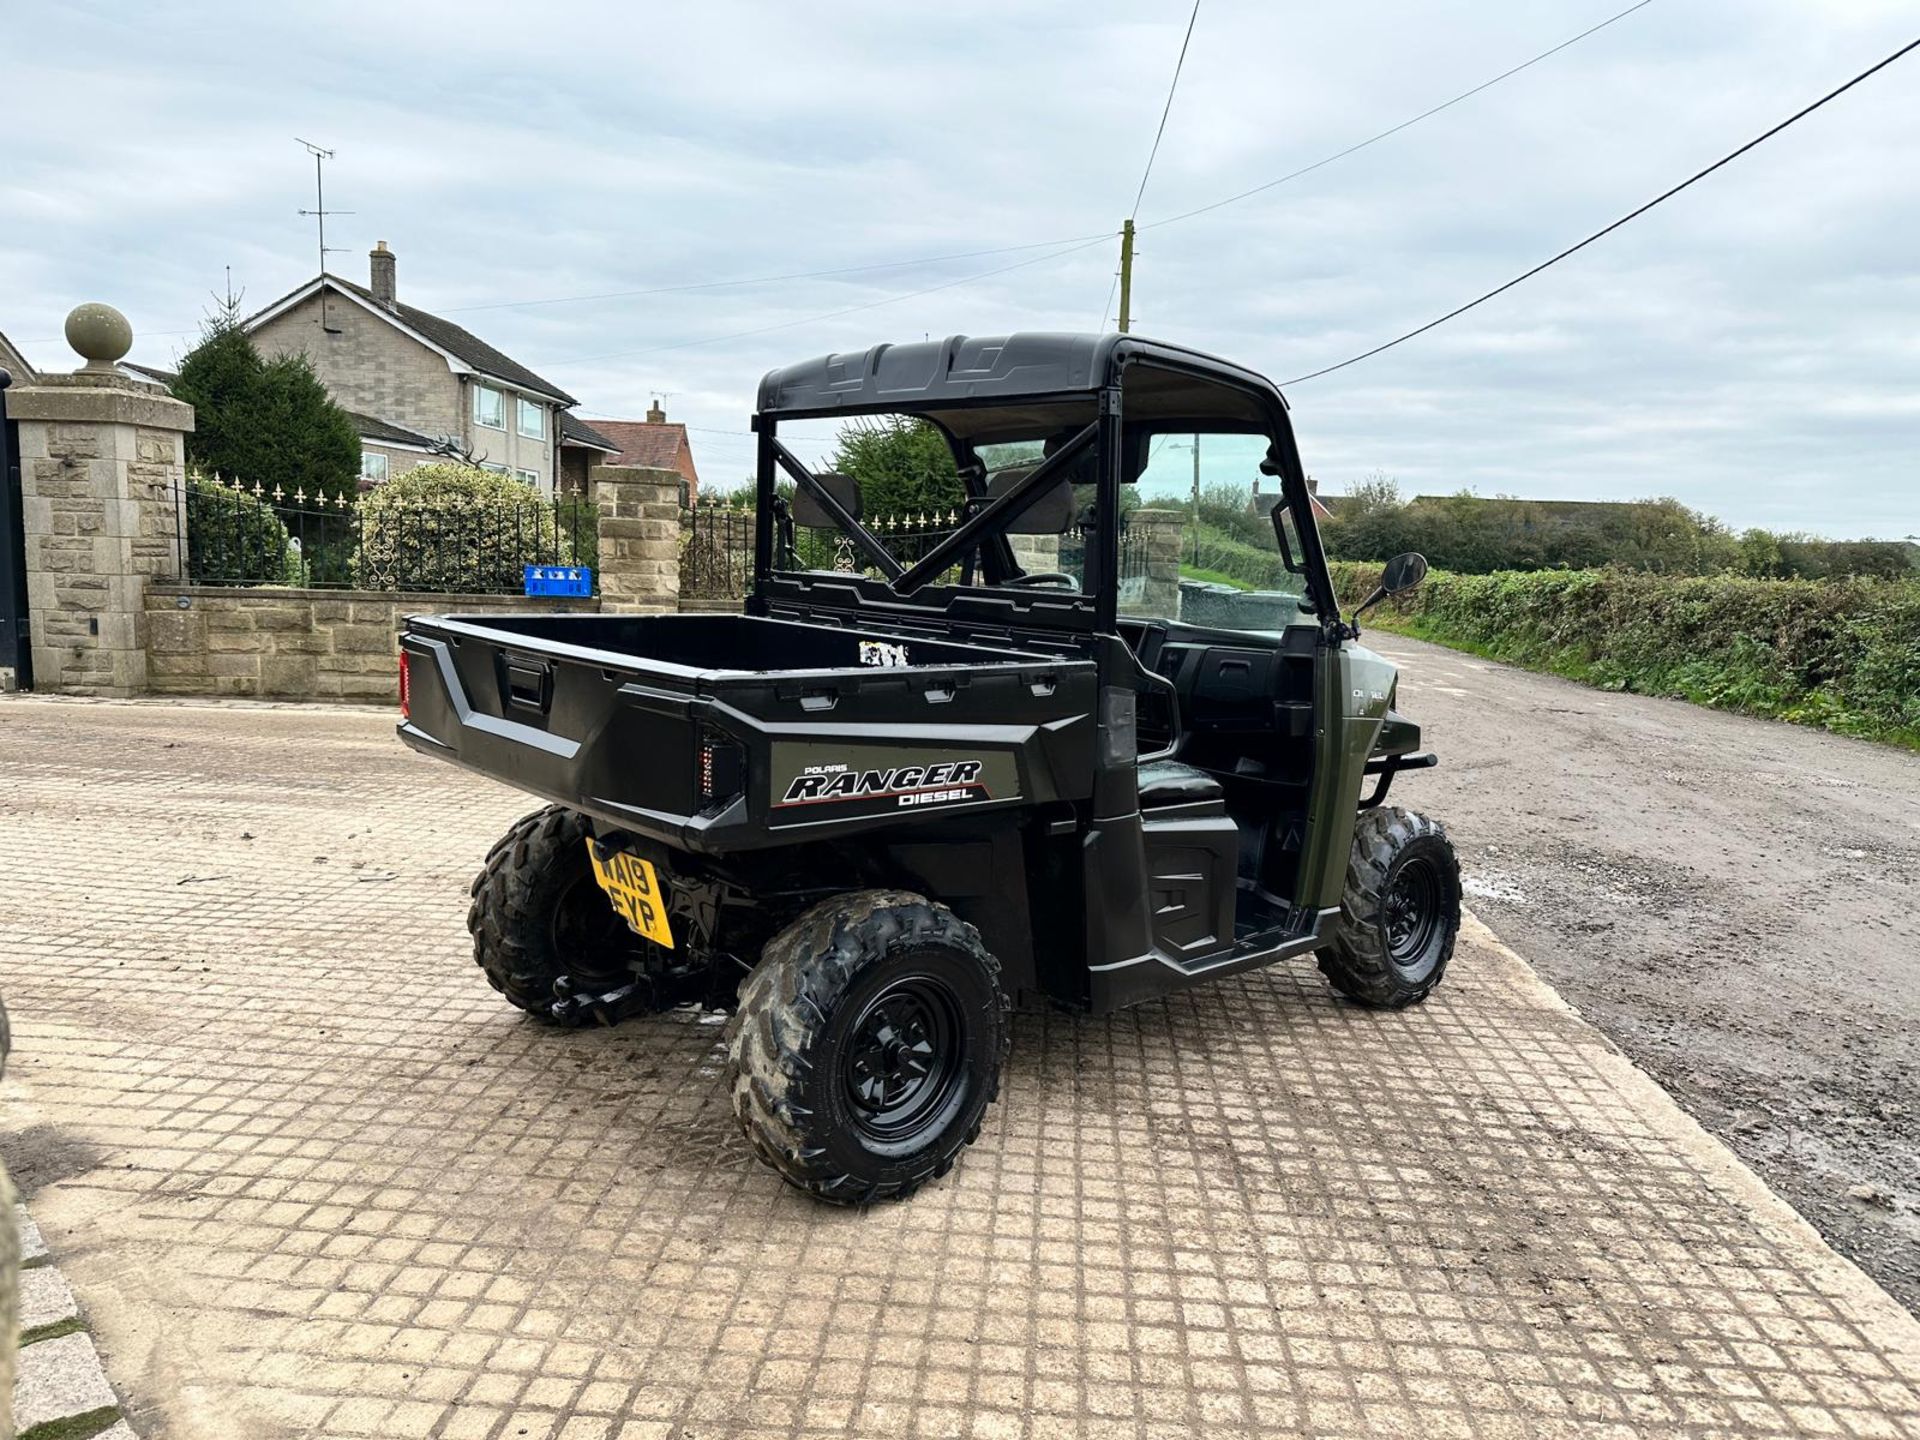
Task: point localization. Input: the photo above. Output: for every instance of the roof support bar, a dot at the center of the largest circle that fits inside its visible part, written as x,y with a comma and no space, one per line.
858,533
1001,512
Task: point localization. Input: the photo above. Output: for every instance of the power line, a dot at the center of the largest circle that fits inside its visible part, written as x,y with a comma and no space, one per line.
1032,245
1396,129
1699,175
1081,240
1165,110
1126,247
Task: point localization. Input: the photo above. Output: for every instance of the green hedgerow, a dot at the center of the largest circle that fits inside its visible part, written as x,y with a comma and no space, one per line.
1841,654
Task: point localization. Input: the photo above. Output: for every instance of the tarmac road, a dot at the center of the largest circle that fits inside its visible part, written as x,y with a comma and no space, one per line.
1735,902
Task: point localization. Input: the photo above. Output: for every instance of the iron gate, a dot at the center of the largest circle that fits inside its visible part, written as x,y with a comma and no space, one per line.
16,645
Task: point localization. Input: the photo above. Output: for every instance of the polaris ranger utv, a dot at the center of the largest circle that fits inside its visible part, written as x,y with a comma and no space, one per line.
927,773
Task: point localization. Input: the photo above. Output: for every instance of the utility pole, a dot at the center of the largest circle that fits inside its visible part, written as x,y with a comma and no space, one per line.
1196,499
320,213
1126,276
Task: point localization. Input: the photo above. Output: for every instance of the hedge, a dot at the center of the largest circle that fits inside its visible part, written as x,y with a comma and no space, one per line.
1840,654
236,538
458,529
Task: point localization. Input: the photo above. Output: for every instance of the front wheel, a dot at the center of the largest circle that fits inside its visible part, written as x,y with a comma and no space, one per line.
1399,912
868,1046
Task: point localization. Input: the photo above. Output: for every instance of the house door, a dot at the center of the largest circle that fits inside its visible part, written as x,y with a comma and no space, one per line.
16,648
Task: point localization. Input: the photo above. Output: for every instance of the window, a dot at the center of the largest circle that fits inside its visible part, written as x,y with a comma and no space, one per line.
373,466
528,477
489,408
533,419
492,469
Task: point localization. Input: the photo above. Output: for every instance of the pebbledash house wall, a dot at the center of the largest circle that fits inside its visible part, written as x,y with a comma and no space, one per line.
214,640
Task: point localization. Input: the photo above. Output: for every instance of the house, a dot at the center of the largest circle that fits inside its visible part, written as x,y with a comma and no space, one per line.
655,442
14,363
1262,504
420,387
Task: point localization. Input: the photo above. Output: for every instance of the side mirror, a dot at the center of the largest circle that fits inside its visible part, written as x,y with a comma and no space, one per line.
809,511
1403,572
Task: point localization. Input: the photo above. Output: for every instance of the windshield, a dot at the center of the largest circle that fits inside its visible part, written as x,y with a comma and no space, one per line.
1233,571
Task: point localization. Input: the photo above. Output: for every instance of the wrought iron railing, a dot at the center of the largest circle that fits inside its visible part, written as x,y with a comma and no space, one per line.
251,535
716,551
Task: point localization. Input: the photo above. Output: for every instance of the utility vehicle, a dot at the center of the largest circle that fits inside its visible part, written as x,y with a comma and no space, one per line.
936,767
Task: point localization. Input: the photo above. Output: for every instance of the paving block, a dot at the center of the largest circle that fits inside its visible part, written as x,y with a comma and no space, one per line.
120,1431
32,1247
58,1378
45,1298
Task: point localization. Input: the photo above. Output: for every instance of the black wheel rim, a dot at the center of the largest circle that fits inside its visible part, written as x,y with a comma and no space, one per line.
903,1059
1412,914
589,939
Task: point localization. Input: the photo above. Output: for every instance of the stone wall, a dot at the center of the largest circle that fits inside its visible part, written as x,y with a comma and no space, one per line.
296,644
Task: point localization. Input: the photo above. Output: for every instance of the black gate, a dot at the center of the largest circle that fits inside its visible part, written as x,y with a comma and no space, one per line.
16,646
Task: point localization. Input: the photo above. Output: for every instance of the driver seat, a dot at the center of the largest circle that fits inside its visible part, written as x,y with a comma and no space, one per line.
1168,782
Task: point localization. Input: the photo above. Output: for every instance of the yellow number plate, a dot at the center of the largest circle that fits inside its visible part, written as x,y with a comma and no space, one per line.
635,892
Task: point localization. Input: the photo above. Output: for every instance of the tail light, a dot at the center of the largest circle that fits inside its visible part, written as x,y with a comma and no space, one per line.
406,694
723,769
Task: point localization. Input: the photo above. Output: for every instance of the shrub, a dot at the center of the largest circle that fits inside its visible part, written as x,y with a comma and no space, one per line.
1840,654
235,538
270,420
458,529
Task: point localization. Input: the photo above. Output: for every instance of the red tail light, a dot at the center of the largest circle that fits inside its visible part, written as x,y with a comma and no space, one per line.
406,698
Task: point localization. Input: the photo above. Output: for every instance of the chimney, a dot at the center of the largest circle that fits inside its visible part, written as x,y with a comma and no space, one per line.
656,416
380,266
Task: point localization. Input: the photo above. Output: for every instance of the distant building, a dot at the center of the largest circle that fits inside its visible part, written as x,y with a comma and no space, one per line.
1262,504
656,442
14,363
420,387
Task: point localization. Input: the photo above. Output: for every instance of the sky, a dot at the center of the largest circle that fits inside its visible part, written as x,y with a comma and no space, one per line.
1752,347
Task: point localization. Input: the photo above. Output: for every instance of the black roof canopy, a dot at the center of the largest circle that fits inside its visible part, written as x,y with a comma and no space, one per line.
943,378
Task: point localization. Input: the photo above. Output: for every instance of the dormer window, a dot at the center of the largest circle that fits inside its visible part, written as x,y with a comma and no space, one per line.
489,408
533,419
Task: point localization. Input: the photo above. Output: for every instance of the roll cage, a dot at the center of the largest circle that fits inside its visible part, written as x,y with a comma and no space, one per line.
1098,395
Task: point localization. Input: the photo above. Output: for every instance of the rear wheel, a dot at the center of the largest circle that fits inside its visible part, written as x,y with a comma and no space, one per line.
545,934
868,1046
1399,912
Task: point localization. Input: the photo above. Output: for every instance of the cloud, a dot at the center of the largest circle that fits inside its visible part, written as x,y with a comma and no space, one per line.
1752,348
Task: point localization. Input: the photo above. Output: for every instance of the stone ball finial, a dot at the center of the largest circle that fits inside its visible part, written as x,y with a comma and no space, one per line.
99,335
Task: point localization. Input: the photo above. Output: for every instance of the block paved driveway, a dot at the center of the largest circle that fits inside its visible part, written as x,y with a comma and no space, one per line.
310,1177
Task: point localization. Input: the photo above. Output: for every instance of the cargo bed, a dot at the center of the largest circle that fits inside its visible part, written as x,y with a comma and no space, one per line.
730,732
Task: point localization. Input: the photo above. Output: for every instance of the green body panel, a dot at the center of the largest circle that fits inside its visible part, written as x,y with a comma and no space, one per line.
1353,689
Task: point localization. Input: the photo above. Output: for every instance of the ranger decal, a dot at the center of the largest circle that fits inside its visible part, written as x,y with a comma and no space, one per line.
909,784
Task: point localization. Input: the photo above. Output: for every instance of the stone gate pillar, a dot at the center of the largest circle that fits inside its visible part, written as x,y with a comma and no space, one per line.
103,491
1159,533
639,537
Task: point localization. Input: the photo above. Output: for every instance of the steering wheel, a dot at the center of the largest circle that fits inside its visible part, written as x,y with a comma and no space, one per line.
1047,577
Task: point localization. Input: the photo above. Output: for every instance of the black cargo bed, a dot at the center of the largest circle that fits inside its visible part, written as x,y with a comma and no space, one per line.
716,732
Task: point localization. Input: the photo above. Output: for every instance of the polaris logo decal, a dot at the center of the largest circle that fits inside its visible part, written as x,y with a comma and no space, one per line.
938,784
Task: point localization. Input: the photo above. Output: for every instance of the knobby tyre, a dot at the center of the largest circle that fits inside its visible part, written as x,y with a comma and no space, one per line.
868,1046
1399,910
543,932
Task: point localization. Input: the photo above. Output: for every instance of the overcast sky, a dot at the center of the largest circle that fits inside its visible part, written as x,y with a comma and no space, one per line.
1752,347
